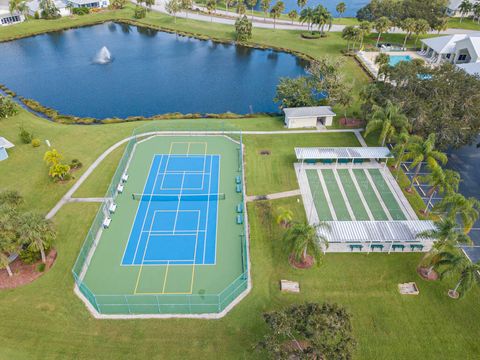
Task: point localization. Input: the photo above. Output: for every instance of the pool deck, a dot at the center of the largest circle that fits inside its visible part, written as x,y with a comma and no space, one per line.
368,58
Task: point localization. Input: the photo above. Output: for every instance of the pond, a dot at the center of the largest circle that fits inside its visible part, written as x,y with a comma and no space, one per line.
142,72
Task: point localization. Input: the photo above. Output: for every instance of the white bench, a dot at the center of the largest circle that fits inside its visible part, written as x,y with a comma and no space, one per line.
124,177
112,208
106,222
120,188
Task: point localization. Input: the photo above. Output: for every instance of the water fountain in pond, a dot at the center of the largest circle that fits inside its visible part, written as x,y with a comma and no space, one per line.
103,56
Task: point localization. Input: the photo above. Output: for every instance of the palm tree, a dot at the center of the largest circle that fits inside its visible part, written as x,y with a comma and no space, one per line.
265,6
252,4
284,217
19,6
421,27
447,237
442,24
389,119
303,238
36,232
382,61
8,235
301,3
468,278
293,15
341,8
420,151
476,11
307,15
467,209
465,7
173,7
322,18
440,181
186,5
365,28
211,7
232,2
348,33
382,25
276,11
407,25
401,142
52,157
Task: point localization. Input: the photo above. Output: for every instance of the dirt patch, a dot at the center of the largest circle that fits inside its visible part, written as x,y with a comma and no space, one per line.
425,275
352,122
308,263
25,273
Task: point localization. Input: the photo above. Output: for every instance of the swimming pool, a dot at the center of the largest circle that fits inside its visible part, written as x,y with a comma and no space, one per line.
395,59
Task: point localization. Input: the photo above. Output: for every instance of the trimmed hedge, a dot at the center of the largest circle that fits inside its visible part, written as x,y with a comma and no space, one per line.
312,35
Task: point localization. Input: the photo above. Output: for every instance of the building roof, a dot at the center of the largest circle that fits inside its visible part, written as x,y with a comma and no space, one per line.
454,4
83,2
471,68
4,143
343,153
444,44
376,231
309,111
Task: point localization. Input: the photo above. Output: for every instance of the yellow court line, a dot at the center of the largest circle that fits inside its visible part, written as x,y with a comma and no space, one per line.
165,279
138,279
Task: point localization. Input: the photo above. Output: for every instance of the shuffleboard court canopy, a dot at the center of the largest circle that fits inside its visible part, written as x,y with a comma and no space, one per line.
376,231
325,153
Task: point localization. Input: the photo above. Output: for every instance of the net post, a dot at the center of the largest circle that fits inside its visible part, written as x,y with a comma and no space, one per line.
128,305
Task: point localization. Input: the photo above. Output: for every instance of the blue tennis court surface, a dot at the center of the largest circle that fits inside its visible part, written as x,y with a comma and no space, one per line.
176,220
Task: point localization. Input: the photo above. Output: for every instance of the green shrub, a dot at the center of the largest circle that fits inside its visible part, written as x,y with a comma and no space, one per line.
41,267
7,107
30,257
80,10
25,136
75,164
35,143
140,12
312,35
36,16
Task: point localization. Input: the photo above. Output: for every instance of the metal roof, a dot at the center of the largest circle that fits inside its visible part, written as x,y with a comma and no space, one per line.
376,231
444,44
4,143
309,111
343,153
470,68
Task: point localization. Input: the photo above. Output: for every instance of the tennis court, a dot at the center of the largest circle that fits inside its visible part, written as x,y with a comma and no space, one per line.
167,249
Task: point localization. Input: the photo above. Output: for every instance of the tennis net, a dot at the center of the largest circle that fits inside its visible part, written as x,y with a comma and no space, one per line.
177,197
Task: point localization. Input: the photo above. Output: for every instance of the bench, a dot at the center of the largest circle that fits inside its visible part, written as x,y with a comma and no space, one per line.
343,161
414,247
120,188
124,178
112,208
239,208
353,247
106,222
239,219
239,188
310,161
376,246
398,246
238,180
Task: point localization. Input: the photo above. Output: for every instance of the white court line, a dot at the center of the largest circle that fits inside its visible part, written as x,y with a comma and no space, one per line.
178,206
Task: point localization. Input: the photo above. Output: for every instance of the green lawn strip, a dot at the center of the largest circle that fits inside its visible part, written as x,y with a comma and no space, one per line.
336,195
267,174
318,195
387,196
468,24
352,195
369,195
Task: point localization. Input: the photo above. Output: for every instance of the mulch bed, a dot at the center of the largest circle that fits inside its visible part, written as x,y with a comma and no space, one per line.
423,272
24,273
351,122
308,263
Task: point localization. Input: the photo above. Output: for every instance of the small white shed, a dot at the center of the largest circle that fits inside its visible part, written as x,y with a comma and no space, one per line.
313,116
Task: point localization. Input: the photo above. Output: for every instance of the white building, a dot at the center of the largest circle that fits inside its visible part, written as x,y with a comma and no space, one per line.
460,49
64,5
34,7
88,3
305,117
452,9
7,18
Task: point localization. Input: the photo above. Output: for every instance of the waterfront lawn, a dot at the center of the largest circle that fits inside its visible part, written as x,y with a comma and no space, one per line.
386,325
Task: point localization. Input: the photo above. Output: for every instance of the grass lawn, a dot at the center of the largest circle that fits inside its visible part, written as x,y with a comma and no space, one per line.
386,325
267,174
468,24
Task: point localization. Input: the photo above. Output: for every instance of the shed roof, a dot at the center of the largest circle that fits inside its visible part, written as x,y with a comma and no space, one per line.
4,143
309,111
376,231
343,153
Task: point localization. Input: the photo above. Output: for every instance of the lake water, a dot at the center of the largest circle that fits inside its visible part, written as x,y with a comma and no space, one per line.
352,6
151,73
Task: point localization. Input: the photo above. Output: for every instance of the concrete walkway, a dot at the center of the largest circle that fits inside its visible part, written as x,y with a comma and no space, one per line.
228,18
274,196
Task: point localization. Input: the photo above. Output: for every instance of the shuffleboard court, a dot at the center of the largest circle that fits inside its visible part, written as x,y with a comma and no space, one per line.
353,195
387,196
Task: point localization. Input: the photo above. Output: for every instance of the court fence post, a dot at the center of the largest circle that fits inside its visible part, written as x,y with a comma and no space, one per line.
128,305
158,304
